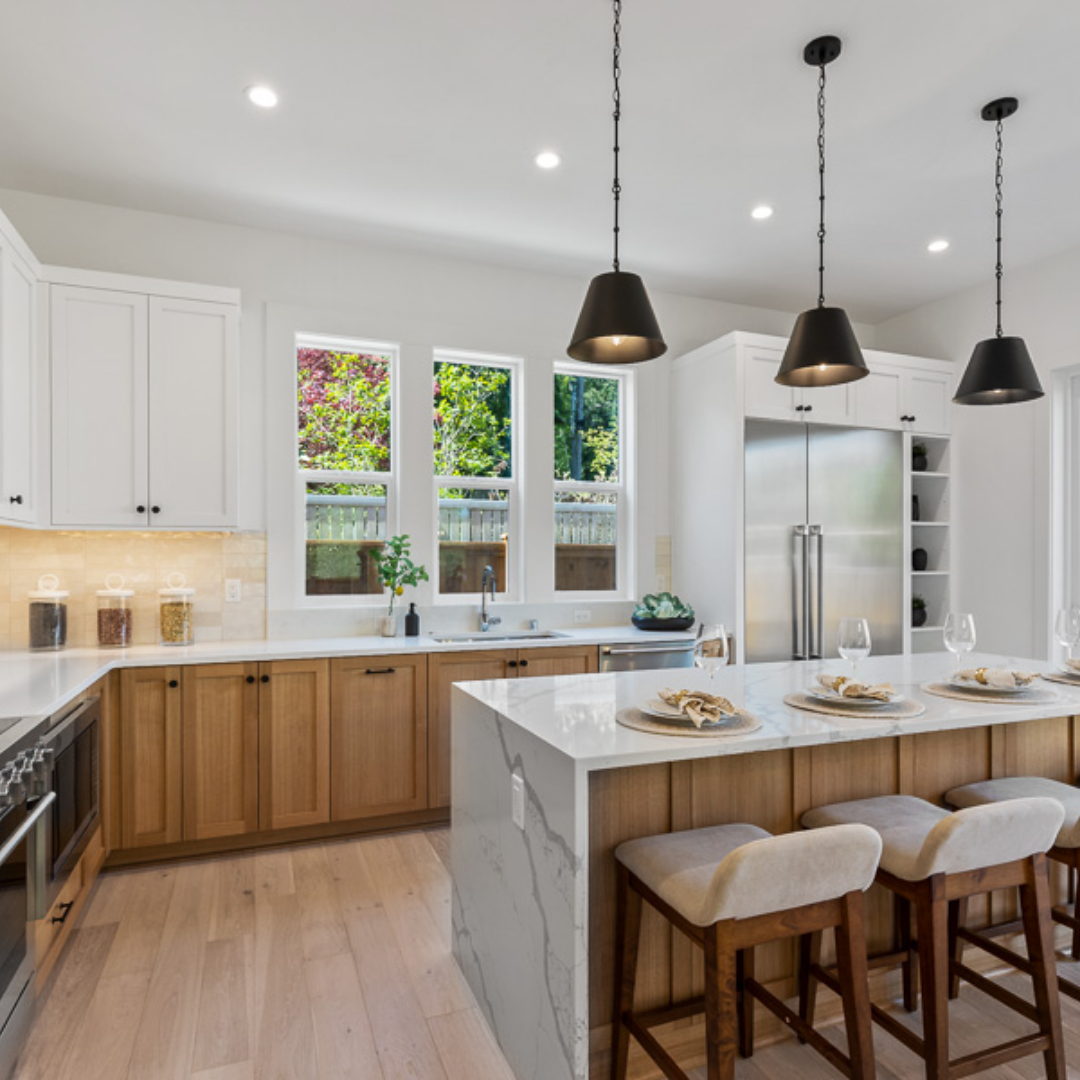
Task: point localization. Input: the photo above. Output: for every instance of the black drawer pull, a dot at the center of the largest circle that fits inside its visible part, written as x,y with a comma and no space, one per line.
511,663
379,671
524,663
17,499
264,678
808,408
173,684
155,509
66,909
250,679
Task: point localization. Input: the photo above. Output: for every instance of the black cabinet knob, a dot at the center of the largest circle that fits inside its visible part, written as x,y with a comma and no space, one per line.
511,663
524,663
798,408
140,509
16,499
250,679
808,408
264,678
173,684
155,509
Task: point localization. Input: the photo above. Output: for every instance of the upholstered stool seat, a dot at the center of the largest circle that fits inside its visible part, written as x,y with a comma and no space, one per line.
730,888
935,860
1066,849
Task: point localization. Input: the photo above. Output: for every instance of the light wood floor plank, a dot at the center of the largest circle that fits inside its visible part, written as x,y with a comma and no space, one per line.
221,1034
234,898
106,1038
321,924
139,936
109,900
274,873
344,1041
431,875
244,1070
355,886
467,1048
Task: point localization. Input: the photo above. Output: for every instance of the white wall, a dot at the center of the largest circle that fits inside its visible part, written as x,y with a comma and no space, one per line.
388,295
1002,454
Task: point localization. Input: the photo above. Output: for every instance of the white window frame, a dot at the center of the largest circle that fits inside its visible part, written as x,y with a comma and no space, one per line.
513,485
623,490
303,477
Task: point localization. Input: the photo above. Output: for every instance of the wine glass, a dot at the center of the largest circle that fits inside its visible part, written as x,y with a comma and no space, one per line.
854,641
711,648
959,634
1067,629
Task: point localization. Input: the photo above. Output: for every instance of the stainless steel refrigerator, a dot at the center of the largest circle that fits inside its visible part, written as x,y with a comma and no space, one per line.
824,538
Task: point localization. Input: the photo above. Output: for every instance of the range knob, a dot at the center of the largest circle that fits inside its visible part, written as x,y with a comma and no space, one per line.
42,761
11,791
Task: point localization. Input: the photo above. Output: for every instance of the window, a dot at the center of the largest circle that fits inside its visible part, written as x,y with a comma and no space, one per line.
344,461
474,470
589,480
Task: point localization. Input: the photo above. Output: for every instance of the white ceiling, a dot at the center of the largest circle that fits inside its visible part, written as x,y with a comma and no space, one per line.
414,122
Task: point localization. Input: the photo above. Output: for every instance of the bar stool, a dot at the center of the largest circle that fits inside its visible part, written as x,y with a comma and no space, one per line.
936,860
1066,850
729,888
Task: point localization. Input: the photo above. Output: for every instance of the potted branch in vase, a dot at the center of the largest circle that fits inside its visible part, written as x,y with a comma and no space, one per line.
396,570
919,460
918,611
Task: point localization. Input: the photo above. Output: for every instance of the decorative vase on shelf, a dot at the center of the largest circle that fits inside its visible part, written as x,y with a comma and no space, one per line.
918,616
919,559
919,460
914,507
388,626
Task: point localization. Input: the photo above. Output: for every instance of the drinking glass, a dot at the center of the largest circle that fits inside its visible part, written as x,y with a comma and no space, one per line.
959,634
711,648
1067,629
854,641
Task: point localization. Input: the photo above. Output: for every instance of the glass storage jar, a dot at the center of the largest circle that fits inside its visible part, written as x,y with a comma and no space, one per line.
176,611
114,615
48,614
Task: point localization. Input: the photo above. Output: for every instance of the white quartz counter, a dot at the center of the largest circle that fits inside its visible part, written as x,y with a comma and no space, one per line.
576,716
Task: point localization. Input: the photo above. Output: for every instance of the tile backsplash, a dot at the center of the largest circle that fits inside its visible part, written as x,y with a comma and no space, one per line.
82,561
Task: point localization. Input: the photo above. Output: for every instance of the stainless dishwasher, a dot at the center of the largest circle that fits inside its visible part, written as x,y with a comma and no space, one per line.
639,657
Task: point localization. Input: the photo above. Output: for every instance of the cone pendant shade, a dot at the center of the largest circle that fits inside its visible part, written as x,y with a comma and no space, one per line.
1000,372
616,324
822,351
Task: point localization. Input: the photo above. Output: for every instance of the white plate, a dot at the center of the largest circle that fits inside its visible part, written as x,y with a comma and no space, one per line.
661,710
1073,672
834,697
971,684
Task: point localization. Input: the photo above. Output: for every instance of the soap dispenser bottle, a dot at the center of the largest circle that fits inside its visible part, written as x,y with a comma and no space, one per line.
412,622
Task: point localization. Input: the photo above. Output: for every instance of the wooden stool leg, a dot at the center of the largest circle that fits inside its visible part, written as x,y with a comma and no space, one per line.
809,955
627,937
1074,883
908,971
957,922
1035,905
744,969
932,922
855,981
720,1002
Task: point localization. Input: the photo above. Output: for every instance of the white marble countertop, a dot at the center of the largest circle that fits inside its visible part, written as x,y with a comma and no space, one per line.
576,714
35,684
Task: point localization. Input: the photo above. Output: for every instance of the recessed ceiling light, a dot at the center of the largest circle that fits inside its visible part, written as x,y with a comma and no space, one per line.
262,96
548,159
761,213
938,246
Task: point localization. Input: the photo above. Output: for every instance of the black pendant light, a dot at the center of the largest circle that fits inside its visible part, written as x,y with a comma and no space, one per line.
1000,370
822,350
616,324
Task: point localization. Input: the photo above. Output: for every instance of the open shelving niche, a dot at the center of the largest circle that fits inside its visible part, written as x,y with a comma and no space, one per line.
933,533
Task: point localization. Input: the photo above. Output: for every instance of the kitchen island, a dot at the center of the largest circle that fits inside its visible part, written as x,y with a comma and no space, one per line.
533,903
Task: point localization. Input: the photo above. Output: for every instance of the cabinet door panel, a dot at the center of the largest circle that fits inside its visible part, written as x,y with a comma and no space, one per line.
221,750
558,660
99,393
930,402
294,743
378,736
445,669
194,389
764,396
879,398
828,404
151,768
17,341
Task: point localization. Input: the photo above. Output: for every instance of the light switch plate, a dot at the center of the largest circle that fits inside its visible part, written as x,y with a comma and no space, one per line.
517,800
233,590
582,615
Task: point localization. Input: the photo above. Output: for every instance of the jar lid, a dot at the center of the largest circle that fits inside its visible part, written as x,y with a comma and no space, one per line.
176,585
48,589
114,586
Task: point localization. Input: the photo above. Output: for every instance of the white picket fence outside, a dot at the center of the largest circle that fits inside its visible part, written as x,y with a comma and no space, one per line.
352,519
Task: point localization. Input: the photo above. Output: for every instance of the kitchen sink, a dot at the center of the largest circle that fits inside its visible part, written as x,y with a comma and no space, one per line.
514,635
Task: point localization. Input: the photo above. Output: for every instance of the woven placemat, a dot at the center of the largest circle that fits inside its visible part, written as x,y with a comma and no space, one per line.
1061,677
1031,696
904,709
739,724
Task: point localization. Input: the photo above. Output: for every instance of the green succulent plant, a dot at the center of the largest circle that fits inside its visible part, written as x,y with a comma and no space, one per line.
663,606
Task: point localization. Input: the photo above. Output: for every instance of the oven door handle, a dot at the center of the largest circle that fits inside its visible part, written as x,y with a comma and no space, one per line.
20,833
35,855
72,718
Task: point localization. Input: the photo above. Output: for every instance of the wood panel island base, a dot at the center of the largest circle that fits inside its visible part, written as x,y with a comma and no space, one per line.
534,903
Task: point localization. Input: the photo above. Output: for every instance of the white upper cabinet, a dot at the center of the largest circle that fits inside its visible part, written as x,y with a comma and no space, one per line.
880,396
766,399
929,401
905,393
18,343
144,410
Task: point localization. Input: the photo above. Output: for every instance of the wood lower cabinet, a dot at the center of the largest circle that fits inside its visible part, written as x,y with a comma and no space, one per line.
558,660
378,736
294,743
151,765
221,750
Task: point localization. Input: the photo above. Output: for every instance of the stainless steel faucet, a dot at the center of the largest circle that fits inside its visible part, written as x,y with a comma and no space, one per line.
487,581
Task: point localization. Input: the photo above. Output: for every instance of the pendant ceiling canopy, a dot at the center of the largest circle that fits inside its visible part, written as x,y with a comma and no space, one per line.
1000,371
617,324
823,350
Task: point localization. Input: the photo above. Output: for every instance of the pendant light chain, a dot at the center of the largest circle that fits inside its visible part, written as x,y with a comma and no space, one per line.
821,181
998,273
616,187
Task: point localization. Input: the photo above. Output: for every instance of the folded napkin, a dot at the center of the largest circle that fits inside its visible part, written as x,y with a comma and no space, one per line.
999,678
849,688
702,708
1073,665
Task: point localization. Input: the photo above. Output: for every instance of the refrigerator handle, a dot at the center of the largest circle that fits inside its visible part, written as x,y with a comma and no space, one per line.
817,649
800,605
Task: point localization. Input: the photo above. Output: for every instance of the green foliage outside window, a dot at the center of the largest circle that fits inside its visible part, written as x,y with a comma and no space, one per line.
586,428
472,421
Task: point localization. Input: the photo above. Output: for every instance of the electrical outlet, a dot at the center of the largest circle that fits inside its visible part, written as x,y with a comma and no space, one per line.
233,590
582,615
517,800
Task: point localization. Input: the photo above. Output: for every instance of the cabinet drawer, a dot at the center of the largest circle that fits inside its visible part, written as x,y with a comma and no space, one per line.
48,930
